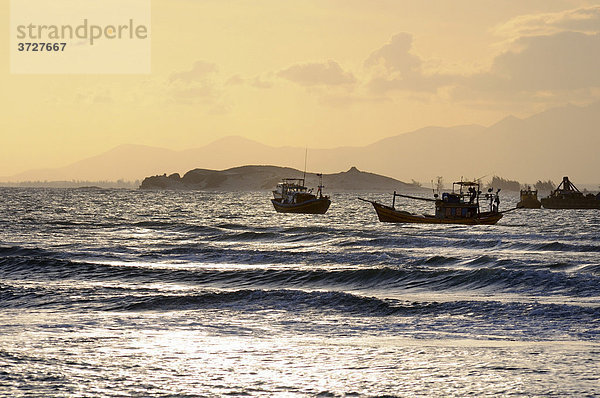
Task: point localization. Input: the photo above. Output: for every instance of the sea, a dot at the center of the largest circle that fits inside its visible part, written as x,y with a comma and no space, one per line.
131,293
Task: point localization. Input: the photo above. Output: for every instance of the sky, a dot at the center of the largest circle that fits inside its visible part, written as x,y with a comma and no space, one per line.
321,74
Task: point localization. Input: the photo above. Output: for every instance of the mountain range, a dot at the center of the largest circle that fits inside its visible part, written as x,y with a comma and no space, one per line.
548,145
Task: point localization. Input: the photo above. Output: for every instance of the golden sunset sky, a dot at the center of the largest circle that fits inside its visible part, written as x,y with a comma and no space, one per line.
322,73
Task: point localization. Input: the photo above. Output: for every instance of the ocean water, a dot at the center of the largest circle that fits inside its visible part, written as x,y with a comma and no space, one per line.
134,293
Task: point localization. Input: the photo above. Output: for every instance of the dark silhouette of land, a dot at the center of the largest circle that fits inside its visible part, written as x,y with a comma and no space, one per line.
256,178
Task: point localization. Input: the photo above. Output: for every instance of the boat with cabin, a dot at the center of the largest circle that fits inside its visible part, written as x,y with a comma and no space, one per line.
292,196
567,196
461,206
528,199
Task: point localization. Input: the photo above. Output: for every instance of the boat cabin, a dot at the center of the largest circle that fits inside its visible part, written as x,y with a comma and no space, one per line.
528,199
292,190
528,194
291,196
289,186
462,202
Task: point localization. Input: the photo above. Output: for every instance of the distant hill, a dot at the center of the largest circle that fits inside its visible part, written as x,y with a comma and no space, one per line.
257,178
560,142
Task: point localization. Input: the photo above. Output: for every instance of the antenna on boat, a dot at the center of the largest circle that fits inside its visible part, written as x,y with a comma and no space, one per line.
305,155
320,188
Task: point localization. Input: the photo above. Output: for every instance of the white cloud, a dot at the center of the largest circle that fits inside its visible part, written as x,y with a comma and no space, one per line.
317,74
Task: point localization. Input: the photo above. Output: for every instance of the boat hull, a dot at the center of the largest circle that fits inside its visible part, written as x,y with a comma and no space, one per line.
585,203
529,204
388,214
313,206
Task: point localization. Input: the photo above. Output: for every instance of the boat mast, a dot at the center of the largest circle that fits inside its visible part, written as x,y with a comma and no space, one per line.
411,197
320,190
304,175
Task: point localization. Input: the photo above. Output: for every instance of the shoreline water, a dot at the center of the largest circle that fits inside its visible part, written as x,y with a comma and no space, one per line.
128,292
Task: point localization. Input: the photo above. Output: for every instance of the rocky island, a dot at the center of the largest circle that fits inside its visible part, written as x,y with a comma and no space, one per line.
258,178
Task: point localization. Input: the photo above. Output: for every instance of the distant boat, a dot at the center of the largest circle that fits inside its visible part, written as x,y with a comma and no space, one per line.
528,199
461,206
291,196
567,196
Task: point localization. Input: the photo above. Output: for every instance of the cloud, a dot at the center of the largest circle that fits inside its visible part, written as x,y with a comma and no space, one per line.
543,69
395,56
395,68
347,100
260,82
235,80
200,71
102,96
581,20
416,83
198,85
192,94
547,56
256,82
219,109
317,74
103,99
563,61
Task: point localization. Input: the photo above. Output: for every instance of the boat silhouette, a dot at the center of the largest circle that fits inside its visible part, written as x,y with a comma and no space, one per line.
528,199
461,206
292,196
567,196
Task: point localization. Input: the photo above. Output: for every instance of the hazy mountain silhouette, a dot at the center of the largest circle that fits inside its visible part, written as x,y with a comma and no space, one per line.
548,145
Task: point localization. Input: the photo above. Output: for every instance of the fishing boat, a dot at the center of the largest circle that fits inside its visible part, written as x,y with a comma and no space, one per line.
567,196
461,206
528,199
292,196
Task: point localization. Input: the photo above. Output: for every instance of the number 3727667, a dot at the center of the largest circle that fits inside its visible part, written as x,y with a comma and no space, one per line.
41,47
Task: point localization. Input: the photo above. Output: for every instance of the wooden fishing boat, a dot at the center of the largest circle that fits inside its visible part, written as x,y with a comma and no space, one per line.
567,196
461,206
291,196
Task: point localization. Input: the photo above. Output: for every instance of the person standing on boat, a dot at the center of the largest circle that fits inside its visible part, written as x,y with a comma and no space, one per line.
473,192
496,205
